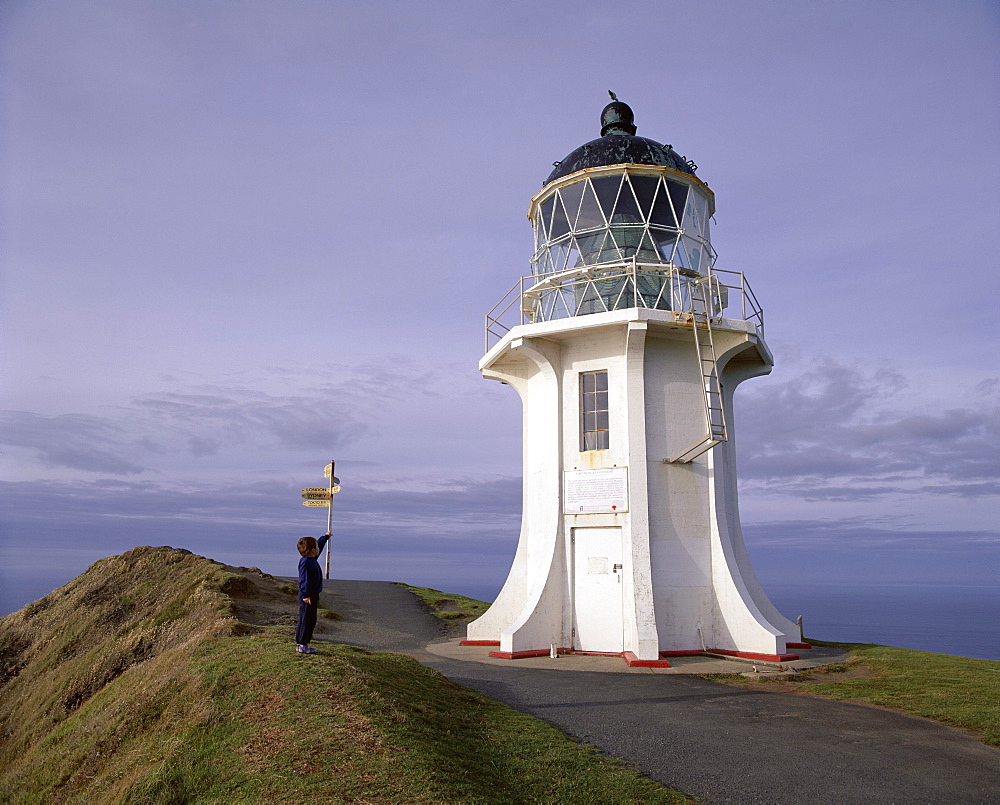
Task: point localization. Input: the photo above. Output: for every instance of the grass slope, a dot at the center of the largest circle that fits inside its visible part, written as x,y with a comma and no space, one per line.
962,692
137,682
448,606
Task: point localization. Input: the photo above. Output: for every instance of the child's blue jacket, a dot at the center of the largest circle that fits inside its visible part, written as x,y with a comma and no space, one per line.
310,573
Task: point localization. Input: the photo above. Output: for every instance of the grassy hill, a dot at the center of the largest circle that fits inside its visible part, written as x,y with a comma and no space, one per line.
163,677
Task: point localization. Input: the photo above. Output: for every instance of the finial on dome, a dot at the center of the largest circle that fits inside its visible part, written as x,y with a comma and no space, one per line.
617,117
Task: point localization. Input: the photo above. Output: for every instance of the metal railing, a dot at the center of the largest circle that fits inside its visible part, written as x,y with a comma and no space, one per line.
619,286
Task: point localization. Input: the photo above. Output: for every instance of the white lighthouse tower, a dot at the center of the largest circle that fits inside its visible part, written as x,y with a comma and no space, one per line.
625,345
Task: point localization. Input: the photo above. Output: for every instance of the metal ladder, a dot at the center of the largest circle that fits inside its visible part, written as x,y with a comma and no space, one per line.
708,368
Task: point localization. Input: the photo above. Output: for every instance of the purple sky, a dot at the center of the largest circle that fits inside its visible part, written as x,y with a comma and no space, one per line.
241,238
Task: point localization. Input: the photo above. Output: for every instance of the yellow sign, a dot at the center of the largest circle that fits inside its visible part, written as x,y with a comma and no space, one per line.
335,490
315,502
324,495
317,489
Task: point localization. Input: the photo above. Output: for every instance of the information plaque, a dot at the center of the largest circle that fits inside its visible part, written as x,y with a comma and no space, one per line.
595,491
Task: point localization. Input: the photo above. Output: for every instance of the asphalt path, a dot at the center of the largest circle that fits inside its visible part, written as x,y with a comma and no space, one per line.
717,742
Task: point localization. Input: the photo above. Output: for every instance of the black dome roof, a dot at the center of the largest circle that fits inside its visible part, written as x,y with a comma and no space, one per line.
618,146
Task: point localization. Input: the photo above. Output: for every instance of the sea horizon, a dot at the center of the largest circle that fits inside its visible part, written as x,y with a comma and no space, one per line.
963,620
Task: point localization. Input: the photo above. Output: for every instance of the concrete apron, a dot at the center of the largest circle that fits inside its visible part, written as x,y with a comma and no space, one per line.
808,658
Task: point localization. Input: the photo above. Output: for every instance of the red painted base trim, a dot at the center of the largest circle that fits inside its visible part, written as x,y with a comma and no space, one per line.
749,655
480,643
635,662
692,653
797,645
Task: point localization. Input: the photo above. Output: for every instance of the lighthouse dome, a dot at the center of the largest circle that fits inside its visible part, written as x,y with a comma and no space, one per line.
619,145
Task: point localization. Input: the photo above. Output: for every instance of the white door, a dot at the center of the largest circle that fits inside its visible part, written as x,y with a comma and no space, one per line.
597,589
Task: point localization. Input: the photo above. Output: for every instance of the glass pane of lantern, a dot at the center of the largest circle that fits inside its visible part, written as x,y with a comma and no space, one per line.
560,225
648,251
665,242
590,211
626,208
680,258
572,254
694,216
607,191
627,239
558,251
596,248
544,219
678,195
645,190
662,212
571,200
692,249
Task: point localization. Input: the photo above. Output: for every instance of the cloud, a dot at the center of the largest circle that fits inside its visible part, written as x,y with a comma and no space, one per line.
838,432
121,441
853,534
74,441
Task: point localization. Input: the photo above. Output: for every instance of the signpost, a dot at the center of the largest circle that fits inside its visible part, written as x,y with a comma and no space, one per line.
319,496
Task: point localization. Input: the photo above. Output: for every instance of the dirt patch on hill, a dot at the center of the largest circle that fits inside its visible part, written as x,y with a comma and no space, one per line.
260,599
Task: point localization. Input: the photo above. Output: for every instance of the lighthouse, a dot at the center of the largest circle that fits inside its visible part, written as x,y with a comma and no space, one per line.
625,344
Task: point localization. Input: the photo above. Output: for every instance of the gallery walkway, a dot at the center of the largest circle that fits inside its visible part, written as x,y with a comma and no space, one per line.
718,742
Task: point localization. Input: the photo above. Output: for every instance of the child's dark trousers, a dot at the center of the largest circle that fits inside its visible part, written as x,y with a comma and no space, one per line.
307,621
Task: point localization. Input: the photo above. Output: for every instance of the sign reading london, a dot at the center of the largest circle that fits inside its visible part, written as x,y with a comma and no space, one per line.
595,491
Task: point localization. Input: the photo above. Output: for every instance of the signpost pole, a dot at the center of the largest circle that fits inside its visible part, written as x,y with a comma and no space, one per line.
329,517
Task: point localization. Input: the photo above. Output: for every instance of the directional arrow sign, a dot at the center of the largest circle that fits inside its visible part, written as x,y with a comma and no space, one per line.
309,489
324,495
315,502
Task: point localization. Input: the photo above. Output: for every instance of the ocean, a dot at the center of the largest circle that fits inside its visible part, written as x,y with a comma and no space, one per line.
940,618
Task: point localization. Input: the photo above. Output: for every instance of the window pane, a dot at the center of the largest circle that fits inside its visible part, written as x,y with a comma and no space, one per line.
626,210
590,212
603,441
663,213
589,421
602,420
602,380
560,226
678,195
607,191
571,198
601,401
589,382
544,217
645,189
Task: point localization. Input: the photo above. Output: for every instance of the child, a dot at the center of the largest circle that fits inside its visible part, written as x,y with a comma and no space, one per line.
310,586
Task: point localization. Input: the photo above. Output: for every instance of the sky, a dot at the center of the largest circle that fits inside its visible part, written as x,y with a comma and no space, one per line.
241,239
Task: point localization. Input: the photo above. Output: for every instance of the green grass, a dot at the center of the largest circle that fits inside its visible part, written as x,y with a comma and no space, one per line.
449,606
134,683
961,692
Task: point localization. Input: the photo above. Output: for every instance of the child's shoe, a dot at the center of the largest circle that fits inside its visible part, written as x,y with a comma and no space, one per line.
304,650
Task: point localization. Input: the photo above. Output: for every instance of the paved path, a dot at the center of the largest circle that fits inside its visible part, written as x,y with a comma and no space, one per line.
717,742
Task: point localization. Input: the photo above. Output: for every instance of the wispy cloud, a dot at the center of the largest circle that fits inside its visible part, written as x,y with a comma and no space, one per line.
839,432
74,441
